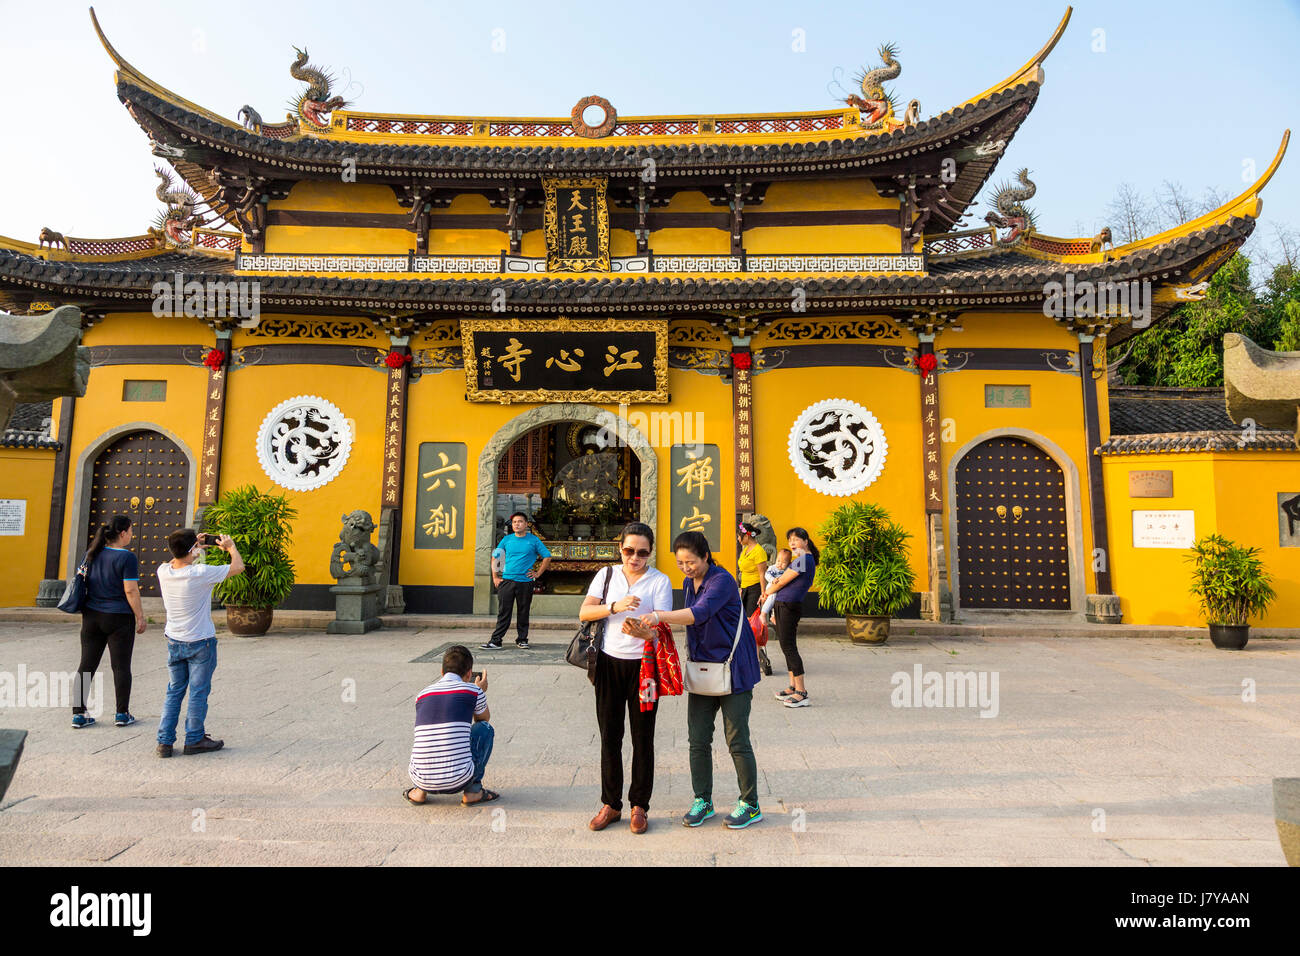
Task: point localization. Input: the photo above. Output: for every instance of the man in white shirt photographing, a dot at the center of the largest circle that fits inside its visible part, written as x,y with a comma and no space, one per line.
186,587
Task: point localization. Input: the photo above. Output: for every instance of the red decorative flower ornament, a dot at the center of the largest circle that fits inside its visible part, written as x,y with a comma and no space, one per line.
742,360
214,359
396,359
927,363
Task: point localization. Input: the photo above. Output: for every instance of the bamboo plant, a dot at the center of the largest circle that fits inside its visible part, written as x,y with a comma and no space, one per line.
864,566
260,524
1230,581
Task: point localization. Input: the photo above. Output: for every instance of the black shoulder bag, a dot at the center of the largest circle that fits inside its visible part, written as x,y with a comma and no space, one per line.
586,644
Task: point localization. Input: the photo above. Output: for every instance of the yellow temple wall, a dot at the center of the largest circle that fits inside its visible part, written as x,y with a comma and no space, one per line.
360,394
1230,493
26,474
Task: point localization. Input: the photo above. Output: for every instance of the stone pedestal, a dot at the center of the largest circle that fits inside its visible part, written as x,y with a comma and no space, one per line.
396,603
1102,609
11,748
358,603
50,592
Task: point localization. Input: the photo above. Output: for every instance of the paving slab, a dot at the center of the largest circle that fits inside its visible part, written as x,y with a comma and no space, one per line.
1176,742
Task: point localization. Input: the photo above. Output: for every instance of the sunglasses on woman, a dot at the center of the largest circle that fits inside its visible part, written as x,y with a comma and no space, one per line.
639,552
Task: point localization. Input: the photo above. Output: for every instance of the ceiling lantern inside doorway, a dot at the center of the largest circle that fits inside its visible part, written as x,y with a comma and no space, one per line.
837,447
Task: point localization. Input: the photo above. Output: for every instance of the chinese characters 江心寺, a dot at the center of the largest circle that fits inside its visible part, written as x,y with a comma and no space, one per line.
513,357
566,363
612,359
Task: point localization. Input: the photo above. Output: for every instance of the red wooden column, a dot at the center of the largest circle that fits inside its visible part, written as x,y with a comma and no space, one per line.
932,471
214,414
742,360
390,518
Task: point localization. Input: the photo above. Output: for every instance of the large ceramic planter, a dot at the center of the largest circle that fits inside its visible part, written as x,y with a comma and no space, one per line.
1230,637
249,621
1286,813
867,628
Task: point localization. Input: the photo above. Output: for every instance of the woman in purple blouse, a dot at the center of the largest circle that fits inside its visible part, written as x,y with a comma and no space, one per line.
711,615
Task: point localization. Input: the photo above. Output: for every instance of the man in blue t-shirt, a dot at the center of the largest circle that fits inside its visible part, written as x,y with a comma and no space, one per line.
513,578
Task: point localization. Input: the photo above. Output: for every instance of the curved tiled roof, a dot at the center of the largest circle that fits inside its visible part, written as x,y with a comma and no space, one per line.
29,427
1004,278
1228,440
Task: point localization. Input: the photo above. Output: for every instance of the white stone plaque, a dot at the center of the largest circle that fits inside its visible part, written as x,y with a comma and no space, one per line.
1164,529
13,516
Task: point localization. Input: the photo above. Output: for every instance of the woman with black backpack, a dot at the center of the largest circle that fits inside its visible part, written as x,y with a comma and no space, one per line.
111,617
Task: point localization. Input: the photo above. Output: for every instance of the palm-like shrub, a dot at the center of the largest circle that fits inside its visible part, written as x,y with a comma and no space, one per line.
864,566
260,524
1230,581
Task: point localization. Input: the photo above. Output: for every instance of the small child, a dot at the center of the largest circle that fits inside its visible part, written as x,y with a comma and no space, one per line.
774,571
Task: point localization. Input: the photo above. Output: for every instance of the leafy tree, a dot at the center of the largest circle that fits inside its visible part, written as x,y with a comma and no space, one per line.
1289,329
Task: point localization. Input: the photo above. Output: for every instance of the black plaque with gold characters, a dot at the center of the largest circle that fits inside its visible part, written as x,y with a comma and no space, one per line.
565,360
577,224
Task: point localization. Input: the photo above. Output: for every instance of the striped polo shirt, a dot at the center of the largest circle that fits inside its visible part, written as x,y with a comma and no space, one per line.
440,758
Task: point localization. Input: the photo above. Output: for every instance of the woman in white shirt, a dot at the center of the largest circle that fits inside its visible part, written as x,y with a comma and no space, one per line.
635,588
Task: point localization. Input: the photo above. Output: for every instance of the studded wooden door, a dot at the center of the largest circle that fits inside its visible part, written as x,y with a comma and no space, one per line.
1012,545
146,476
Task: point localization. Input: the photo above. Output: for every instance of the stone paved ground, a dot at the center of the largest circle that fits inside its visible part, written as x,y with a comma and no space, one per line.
1152,732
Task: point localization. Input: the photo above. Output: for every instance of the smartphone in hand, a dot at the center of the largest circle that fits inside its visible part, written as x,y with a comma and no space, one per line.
208,540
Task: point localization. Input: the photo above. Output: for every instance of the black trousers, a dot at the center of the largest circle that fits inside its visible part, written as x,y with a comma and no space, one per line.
785,615
751,597
510,594
117,633
618,689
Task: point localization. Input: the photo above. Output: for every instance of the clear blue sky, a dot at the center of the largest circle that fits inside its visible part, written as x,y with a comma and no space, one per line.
1182,91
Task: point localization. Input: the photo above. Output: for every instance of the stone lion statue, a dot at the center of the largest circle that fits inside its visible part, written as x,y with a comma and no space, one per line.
353,554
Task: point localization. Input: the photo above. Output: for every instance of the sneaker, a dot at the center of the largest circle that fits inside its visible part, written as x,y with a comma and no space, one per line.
206,745
163,750
743,816
797,699
522,643
81,720
124,720
489,646
783,694
700,811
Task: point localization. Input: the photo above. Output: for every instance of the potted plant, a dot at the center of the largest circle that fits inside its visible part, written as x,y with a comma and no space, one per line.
260,525
864,572
1232,584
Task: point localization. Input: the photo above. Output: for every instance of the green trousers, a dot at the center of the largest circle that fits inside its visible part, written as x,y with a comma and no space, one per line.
701,715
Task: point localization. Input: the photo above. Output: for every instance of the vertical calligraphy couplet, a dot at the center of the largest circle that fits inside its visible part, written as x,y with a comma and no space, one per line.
214,413
395,434
742,415
932,462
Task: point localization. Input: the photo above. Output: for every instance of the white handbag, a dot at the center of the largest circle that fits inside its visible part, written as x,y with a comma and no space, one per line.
712,678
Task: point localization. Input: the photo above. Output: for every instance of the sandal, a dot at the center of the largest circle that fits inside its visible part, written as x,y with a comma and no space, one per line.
488,797
783,694
418,803
798,699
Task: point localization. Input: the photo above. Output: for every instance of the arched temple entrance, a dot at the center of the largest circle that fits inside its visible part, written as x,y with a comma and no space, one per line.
1015,526
138,471
613,451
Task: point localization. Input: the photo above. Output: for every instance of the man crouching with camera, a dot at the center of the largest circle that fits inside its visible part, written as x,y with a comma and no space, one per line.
186,585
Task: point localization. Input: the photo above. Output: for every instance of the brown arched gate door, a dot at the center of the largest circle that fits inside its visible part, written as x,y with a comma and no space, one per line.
146,476
1012,542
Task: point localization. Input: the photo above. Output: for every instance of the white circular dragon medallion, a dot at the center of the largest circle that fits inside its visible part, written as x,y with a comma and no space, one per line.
304,443
837,447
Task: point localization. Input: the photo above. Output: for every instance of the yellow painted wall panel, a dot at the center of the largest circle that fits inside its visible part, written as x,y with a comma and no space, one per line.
823,194
1246,486
360,394
331,196
28,475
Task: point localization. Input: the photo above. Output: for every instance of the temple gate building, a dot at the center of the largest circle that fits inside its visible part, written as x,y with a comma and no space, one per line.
595,317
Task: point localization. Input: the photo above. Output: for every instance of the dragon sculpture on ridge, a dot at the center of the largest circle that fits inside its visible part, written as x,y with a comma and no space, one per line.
315,101
179,218
1010,213
877,103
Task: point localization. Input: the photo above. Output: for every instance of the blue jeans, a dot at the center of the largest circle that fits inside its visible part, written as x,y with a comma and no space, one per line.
190,666
481,736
